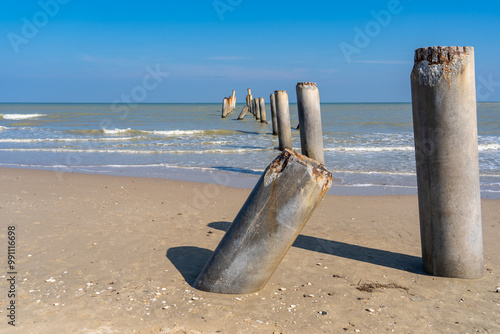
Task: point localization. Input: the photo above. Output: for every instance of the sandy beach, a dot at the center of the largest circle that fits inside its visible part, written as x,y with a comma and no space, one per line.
110,254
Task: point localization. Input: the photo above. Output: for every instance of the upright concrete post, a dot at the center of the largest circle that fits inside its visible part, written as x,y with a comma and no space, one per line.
272,217
234,99
446,151
249,96
262,108
225,107
274,118
250,100
311,134
257,108
283,117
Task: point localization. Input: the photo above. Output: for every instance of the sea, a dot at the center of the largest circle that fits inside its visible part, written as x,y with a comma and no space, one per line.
368,147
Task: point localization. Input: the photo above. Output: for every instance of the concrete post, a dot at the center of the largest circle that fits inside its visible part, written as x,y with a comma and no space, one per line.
250,102
283,117
274,118
233,100
243,112
272,217
225,107
262,108
311,135
257,108
249,96
446,152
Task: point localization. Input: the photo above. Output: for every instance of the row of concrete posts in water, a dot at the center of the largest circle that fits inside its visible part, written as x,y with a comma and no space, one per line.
446,152
308,103
228,105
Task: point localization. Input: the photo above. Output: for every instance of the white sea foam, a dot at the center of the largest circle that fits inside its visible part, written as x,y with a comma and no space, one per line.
482,147
20,116
69,150
371,172
3,128
152,132
175,132
369,149
48,140
489,147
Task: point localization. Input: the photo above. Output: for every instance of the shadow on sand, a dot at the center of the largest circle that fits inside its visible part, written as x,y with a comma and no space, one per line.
190,260
379,257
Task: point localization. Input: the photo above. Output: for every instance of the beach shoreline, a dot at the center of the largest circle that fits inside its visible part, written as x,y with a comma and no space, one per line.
236,179
369,147
105,254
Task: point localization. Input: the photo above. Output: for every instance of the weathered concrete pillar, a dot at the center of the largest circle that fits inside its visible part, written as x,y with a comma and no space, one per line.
233,100
311,134
243,112
273,114
249,96
446,151
257,108
250,100
283,117
272,217
225,107
262,108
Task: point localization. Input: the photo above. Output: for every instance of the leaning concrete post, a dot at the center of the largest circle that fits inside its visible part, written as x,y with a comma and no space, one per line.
446,151
272,217
243,112
283,117
225,107
262,108
311,135
257,108
274,118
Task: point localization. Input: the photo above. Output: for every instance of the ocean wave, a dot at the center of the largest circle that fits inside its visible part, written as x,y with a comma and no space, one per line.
489,147
18,117
369,149
372,172
161,133
3,128
86,151
48,140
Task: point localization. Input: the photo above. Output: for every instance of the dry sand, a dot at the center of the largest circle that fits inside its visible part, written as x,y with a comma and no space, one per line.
106,254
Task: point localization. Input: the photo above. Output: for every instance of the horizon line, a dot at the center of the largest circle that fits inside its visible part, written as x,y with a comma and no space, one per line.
241,103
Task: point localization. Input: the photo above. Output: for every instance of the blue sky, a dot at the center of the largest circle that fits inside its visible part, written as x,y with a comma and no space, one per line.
357,51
